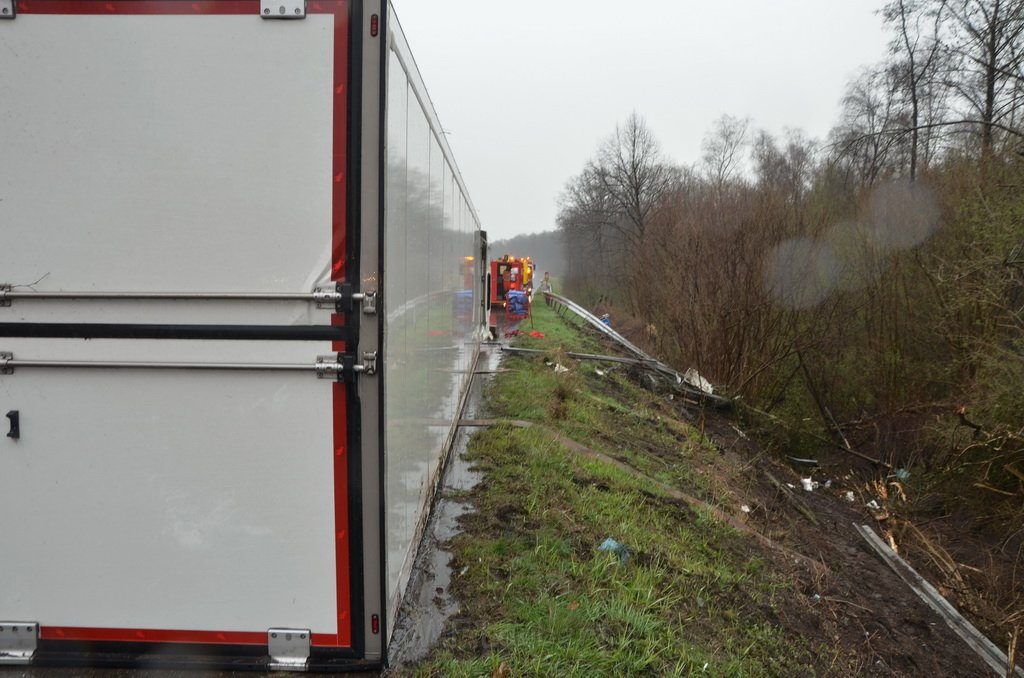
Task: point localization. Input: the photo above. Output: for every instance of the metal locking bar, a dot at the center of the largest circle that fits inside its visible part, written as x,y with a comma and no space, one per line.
338,366
342,298
7,294
8,365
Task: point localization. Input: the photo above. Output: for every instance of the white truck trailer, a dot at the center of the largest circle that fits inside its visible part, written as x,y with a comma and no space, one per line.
240,303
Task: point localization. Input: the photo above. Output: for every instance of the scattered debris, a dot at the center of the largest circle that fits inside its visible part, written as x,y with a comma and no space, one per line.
693,378
745,508
878,510
792,499
615,547
900,474
849,496
649,382
536,335
599,372
559,368
892,541
985,649
809,462
810,484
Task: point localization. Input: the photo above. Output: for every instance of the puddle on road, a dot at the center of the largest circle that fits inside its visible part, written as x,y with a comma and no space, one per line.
428,604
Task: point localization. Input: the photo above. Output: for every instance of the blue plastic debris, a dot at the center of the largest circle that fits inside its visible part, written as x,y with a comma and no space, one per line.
900,474
518,305
615,547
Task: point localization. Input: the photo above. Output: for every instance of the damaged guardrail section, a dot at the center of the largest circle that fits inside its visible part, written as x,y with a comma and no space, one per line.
689,382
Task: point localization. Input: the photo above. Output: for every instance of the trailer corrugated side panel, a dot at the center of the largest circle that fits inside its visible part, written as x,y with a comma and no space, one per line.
434,316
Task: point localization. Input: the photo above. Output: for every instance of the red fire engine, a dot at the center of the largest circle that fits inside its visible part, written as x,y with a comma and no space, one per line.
510,273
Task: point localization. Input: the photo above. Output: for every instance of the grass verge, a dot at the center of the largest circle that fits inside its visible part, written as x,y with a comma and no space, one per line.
693,597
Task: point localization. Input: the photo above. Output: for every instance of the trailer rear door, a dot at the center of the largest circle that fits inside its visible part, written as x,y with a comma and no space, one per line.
174,189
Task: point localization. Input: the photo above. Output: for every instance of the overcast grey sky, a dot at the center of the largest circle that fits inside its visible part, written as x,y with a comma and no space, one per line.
527,90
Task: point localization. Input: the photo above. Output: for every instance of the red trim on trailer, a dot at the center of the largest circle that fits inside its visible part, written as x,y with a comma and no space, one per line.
340,10
163,636
341,517
340,155
138,7
339,252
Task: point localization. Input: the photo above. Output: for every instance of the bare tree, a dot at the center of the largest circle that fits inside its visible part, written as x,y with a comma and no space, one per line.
723,150
607,208
784,172
865,139
634,174
918,46
585,217
985,41
958,68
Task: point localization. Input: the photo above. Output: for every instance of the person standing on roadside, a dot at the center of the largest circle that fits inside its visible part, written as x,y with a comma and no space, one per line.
545,286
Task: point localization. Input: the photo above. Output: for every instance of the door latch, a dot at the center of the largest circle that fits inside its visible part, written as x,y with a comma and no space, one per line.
343,366
344,299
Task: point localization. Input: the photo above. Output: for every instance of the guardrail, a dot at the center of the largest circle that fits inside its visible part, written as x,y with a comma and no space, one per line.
563,304
690,383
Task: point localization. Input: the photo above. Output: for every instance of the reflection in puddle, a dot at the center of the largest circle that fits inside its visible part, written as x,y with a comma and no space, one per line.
428,604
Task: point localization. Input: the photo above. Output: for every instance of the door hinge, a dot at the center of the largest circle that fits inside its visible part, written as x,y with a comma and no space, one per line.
4,289
283,9
5,363
343,299
8,9
343,366
18,641
288,649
